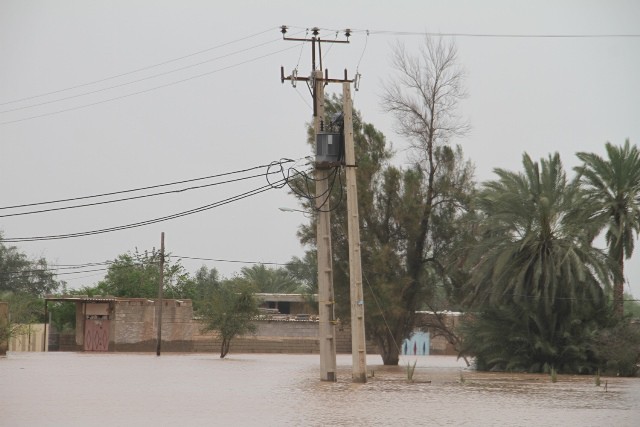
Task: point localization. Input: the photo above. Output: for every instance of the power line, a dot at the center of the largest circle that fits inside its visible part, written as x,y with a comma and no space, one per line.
505,36
150,187
53,269
149,89
137,80
270,185
146,222
138,69
181,190
481,35
230,260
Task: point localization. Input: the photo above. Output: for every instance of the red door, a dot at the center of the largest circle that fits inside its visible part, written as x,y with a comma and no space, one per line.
96,335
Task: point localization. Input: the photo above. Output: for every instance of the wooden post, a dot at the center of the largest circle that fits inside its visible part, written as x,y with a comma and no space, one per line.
160,286
358,341
326,299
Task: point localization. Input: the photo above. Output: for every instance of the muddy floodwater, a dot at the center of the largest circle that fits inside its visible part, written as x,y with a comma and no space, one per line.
117,389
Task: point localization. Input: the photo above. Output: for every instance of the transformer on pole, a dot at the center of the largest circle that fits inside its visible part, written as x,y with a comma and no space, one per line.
334,149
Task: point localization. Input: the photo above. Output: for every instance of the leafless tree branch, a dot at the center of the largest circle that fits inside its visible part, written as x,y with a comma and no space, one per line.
424,94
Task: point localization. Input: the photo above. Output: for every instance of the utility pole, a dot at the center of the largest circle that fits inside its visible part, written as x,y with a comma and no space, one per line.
358,339
160,286
326,303
326,299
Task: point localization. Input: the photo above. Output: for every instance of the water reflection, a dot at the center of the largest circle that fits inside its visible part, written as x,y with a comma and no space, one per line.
267,390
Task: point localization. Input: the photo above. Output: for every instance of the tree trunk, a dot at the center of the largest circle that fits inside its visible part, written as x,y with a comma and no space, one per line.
388,350
618,290
224,348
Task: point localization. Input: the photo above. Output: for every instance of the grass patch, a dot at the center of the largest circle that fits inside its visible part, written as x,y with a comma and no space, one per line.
410,371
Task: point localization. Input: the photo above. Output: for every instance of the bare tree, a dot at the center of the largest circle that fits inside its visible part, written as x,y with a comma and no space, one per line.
423,95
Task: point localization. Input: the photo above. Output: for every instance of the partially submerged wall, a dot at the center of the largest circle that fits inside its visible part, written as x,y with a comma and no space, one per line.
134,327
287,336
29,338
270,337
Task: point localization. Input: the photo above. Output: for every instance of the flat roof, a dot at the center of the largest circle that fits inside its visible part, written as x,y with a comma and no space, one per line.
286,297
79,298
261,296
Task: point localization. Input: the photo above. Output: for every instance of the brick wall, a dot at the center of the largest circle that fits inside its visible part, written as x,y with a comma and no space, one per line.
134,325
276,337
270,337
133,328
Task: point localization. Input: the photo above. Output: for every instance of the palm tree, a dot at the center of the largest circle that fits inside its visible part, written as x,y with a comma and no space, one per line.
613,185
537,238
535,261
271,280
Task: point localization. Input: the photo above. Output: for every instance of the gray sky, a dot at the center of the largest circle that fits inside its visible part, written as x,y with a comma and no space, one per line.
224,109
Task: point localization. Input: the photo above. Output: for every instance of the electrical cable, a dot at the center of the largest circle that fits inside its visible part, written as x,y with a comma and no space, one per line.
230,260
300,192
145,188
143,223
384,319
302,48
364,49
303,99
53,269
358,76
485,35
137,80
79,272
197,76
181,190
138,69
331,45
506,36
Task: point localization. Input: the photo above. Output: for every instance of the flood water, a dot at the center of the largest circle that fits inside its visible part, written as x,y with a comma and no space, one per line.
124,389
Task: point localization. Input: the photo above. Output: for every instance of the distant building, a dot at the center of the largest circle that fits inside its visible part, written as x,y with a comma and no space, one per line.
287,324
299,305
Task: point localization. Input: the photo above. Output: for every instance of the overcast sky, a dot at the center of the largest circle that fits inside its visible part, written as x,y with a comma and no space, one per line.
104,96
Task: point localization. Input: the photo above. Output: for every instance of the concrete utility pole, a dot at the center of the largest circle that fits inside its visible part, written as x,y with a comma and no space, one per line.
358,340
160,286
326,299
323,172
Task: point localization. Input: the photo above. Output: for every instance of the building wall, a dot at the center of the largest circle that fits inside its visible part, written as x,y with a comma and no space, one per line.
79,340
30,338
287,336
134,328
